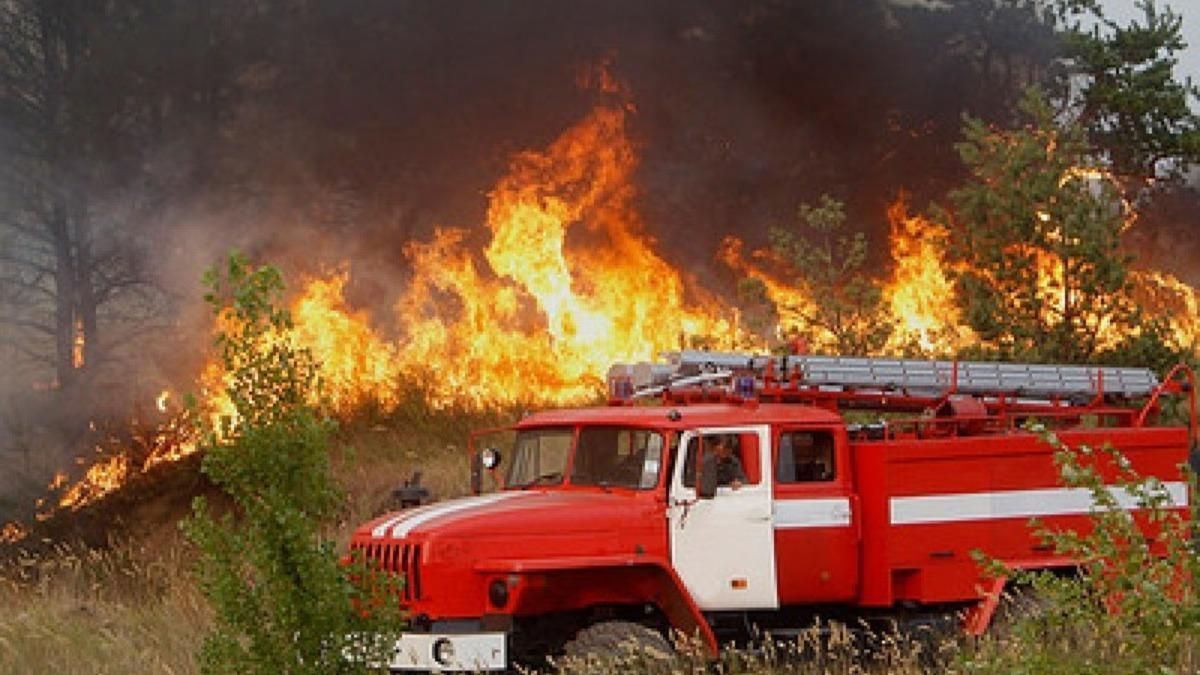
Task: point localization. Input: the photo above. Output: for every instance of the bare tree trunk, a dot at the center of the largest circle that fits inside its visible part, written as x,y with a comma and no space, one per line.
64,314
60,50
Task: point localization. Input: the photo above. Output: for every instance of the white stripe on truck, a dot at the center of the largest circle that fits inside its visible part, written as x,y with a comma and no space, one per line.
403,523
971,506
823,512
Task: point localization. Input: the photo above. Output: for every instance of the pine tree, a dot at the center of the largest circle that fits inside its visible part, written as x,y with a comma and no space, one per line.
1035,238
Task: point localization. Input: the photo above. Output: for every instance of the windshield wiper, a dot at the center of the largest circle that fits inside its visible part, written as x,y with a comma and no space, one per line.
544,479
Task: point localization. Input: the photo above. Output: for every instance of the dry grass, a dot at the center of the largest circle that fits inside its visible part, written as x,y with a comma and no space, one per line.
123,610
127,610
821,650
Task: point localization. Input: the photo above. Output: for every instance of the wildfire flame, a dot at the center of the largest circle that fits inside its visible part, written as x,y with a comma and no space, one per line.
1177,302
572,282
792,304
13,532
77,345
102,478
921,293
357,366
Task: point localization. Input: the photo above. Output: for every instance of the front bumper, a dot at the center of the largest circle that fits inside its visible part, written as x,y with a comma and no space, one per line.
443,652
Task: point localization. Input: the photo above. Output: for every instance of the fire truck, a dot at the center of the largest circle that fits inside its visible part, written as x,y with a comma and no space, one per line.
852,487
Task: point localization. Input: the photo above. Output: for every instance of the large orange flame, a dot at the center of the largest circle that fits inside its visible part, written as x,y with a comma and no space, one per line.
1174,301
572,285
921,292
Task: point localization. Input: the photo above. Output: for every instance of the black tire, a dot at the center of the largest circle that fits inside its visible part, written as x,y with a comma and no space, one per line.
1019,605
619,640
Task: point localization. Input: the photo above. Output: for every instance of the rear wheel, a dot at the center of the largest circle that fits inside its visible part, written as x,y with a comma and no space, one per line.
621,640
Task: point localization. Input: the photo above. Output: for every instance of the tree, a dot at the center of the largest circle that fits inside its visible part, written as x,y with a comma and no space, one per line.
845,310
283,603
1035,239
66,128
1126,94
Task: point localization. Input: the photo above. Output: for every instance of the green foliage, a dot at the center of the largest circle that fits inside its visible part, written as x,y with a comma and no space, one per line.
1128,98
1132,607
846,311
1039,272
283,603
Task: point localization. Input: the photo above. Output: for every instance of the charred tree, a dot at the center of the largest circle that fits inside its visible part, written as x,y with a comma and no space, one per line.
70,269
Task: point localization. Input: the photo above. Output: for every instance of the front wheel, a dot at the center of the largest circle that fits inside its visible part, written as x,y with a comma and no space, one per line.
623,641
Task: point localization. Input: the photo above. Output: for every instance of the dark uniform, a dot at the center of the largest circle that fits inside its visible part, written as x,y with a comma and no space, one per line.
729,469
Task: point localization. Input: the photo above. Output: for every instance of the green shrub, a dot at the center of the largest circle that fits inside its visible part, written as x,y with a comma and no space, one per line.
282,601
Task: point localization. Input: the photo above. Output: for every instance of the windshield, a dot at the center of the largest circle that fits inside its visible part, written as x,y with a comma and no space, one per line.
540,457
605,456
612,456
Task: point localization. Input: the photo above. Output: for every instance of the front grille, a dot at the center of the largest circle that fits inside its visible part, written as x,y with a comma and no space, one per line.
399,558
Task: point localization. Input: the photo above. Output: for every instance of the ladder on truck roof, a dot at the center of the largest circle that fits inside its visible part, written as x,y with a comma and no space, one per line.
918,377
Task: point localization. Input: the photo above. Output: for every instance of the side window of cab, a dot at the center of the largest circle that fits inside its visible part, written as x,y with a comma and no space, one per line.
743,448
805,456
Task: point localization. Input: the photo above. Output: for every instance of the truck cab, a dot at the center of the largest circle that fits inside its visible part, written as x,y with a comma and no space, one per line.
608,495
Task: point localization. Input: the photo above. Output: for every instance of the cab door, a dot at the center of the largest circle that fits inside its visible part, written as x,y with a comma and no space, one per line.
816,519
723,548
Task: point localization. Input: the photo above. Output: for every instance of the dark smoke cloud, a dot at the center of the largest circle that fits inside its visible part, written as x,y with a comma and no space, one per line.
400,116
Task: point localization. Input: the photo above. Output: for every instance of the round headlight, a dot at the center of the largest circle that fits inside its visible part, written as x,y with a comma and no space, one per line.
490,458
443,651
498,593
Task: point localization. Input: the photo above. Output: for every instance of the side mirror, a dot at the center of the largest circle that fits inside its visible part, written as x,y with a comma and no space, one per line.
706,483
489,459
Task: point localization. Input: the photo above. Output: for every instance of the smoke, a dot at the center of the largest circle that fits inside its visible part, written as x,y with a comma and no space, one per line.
401,116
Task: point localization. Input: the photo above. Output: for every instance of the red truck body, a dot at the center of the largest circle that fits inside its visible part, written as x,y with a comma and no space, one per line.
829,517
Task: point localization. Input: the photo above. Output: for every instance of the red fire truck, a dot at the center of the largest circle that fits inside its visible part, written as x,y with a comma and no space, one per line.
720,491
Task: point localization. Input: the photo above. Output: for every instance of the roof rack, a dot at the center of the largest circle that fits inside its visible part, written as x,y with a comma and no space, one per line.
978,392
747,374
